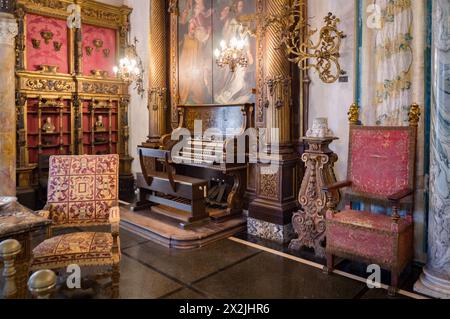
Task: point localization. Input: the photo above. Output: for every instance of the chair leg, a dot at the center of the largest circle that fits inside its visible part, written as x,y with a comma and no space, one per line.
115,278
392,291
329,268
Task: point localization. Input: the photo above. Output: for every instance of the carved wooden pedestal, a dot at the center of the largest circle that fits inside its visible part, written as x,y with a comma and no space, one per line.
309,222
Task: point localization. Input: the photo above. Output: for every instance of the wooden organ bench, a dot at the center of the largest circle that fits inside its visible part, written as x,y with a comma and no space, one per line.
197,182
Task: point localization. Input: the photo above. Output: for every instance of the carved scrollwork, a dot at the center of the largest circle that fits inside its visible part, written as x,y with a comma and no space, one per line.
309,222
49,85
100,88
269,185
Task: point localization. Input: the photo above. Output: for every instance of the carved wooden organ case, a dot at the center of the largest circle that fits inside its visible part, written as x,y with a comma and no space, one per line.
68,99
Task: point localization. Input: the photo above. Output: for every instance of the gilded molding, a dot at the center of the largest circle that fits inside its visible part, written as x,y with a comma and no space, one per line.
49,85
100,88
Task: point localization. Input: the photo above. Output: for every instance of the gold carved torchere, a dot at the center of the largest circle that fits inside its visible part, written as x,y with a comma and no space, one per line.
309,221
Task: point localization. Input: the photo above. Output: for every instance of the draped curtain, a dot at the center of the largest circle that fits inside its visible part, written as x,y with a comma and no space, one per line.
392,60
393,76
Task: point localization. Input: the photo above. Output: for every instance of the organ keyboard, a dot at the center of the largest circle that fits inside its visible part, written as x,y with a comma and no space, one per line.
206,159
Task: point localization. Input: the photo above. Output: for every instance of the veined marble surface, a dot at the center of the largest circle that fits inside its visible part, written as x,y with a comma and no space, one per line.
277,233
436,278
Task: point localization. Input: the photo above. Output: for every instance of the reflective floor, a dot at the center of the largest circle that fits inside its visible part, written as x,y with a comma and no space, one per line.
226,269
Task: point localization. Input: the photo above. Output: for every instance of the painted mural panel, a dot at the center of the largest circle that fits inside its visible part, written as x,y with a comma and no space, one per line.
234,87
202,25
195,51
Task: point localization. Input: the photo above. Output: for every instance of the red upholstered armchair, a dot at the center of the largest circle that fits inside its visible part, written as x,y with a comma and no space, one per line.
82,192
381,170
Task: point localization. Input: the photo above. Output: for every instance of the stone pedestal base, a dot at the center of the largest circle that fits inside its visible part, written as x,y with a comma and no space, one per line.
432,286
277,233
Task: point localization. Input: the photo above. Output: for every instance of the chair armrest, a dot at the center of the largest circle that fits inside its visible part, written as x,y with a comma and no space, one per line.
336,186
397,197
114,219
43,213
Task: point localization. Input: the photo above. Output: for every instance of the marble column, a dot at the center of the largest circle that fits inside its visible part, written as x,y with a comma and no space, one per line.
8,31
435,280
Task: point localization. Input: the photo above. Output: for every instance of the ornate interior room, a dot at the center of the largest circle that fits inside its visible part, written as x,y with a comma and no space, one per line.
224,149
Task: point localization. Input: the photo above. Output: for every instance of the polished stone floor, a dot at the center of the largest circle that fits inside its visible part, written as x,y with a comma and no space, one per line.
225,269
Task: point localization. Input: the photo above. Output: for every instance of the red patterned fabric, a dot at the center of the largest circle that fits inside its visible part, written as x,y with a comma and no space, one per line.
370,220
380,160
358,241
46,53
82,189
84,248
97,60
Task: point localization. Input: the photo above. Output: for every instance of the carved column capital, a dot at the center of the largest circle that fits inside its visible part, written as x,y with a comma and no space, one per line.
8,29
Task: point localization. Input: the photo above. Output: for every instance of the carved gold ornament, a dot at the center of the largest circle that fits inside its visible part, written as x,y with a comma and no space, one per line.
36,43
106,52
47,36
323,56
353,114
48,85
98,44
45,68
89,50
414,115
57,46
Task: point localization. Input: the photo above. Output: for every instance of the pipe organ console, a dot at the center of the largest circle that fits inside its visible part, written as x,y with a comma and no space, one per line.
198,173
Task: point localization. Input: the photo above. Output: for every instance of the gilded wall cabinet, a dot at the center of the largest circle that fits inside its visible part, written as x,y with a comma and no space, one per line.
68,99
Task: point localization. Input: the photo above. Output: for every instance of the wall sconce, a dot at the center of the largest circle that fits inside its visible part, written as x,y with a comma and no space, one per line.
131,69
233,55
323,55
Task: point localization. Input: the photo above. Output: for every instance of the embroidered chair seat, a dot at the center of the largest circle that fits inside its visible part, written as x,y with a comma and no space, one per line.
84,249
369,220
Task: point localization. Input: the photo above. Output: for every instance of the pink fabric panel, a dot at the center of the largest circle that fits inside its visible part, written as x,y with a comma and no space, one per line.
46,54
97,60
360,242
380,161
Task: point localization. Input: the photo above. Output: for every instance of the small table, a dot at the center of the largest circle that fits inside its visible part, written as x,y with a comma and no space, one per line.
18,222
309,222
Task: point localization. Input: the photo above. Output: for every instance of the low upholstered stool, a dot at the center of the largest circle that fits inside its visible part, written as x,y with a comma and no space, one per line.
82,192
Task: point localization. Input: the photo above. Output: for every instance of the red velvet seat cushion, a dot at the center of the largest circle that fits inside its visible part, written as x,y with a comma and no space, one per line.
369,220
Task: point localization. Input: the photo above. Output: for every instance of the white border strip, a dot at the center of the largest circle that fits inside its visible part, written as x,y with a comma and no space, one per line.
319,266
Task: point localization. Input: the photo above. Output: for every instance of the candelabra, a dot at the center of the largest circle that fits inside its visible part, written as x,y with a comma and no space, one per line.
233,55
131,69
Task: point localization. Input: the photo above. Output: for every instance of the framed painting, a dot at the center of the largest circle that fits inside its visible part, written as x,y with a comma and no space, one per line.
197,28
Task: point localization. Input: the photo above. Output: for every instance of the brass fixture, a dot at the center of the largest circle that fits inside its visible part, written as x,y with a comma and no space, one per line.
36,43
89,50
47,36
57,46
98,44
106,52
